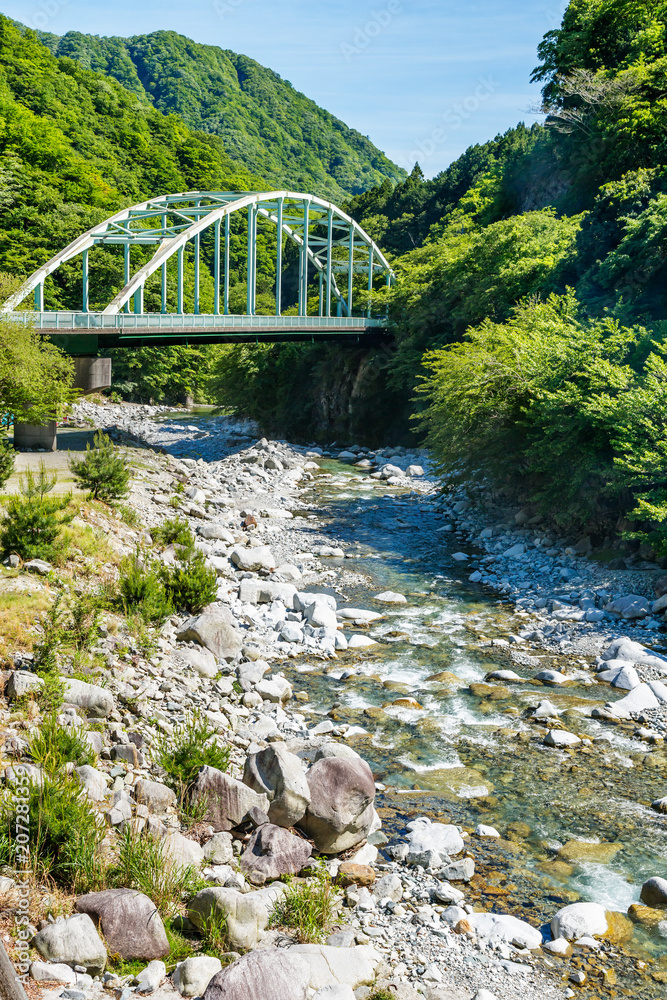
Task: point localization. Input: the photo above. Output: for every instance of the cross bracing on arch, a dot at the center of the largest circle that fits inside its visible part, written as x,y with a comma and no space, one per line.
330,244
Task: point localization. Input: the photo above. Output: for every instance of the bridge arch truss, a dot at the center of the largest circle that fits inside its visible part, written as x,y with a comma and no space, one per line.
332,248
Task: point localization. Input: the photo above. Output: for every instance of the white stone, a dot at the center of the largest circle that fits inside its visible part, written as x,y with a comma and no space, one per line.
460,557
640,699
560,738
358,615
486,831
51,972
579,920
503,927
631,606
360,641
391,597
441,837
329,966
620,677
253,559
192,976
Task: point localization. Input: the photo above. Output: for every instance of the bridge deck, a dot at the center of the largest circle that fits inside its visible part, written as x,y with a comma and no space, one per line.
86,333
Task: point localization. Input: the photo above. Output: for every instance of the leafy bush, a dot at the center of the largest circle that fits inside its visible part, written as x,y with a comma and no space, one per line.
7,456
174,531
142,865
34,519
142,591
186,750
189,584
307,907
64,830
103,470
52,746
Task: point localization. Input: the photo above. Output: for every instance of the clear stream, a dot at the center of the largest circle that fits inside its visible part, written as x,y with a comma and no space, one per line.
574,825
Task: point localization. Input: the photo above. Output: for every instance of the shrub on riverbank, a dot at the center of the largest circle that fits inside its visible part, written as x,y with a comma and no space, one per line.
102,471
35,519
570,411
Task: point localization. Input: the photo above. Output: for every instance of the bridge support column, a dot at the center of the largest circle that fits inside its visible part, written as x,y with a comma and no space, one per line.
92,374
33,437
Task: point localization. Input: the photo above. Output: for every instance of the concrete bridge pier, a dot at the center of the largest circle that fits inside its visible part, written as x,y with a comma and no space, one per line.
91,374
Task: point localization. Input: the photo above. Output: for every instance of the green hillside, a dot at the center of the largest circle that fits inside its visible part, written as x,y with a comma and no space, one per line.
265,124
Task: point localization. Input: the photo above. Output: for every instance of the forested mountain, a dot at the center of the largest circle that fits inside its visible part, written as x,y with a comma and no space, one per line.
266,125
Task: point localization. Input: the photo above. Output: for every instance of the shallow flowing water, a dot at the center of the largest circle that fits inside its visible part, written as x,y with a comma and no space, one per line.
574,825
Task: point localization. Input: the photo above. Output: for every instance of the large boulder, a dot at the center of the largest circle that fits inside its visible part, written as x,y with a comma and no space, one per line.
338,966
201,660
96,701
253,559
580,920
279,775
630,606
215,628
228,799
341,811
274,851
500,927
158,797
440,838
74,941
268,974
181,851
246,915
129,921
192,976
21,683
654,892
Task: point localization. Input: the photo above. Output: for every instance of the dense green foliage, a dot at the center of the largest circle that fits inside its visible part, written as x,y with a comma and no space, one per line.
189,584
102,470
184,752
141,590
533,288
265,124
35,376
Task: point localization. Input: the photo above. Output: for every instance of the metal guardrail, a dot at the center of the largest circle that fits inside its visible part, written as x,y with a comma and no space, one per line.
71,322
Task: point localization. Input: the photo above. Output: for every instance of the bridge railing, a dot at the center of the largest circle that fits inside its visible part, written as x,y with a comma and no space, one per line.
54,321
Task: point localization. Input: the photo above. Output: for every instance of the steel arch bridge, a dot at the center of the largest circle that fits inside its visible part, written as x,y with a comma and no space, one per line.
332,249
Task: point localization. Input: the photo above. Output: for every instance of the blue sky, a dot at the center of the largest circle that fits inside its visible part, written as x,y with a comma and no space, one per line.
422,78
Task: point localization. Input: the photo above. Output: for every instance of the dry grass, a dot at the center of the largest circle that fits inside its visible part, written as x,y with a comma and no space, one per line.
18,611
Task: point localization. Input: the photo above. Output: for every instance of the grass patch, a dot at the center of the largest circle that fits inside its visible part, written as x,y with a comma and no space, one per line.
53,746
142,865
180,947
214,933
307,908
174,531
186,750
64,834
18,611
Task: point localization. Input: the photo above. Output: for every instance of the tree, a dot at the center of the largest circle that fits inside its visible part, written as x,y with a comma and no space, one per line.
103,470
34,519
35,376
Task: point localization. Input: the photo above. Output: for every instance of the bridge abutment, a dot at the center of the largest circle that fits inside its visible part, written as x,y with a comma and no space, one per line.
36,437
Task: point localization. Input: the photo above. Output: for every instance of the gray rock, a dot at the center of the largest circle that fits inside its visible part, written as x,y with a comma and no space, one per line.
192,976
631,606
654,892
49,972
266,591
391,597
253,559
94,782
182,851
228,799
215,628
150,978
250,674
388,887
505,928
279,774
426,836
158,797
341,810
201,660
217,532
218,850
338,966
579,920
129,921
38,566
274,689
561,739
268,974
458,871
21,683
640,699
246,914
95,700
73,941
274,851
